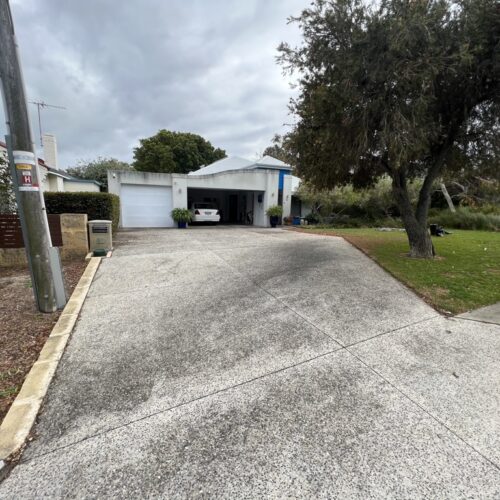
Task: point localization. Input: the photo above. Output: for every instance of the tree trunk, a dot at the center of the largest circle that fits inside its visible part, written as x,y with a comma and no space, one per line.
417,231
447,197
419,239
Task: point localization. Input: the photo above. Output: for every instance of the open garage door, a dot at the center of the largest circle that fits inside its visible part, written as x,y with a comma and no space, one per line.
146,206
235,206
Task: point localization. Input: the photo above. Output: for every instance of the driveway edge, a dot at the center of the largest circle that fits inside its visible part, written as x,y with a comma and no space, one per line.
21,416
423,298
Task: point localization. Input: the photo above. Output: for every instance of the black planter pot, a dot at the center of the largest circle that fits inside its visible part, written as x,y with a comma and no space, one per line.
274,219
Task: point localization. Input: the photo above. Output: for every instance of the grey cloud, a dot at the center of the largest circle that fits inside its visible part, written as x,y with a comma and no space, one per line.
126,69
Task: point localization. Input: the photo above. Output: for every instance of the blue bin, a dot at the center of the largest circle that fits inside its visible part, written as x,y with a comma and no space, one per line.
296,221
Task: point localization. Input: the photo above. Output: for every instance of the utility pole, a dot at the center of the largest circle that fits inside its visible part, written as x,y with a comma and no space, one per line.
24,166
40,105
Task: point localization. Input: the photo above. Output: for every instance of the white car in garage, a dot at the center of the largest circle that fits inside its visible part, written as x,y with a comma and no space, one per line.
205,212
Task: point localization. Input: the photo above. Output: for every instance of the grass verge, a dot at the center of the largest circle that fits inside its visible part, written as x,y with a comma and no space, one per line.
465,275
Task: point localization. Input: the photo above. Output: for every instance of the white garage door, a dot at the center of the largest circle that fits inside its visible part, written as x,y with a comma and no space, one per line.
146,206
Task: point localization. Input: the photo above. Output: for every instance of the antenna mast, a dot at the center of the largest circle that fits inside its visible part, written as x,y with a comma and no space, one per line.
40,105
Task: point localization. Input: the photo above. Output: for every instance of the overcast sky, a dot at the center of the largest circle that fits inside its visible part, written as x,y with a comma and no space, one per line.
124,69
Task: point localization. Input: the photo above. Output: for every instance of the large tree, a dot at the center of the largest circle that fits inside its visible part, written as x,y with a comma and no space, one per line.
396,87
179,152
97,170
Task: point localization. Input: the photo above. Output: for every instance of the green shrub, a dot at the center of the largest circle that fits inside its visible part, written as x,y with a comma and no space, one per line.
466,218
354,222
275,211
370,204
182,215
487,208
97,206
313,218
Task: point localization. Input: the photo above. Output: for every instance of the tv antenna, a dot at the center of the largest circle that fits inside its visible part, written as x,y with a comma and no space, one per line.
40,105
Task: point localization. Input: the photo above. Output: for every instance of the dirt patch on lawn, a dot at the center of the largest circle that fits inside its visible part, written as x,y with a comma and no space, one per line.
23,329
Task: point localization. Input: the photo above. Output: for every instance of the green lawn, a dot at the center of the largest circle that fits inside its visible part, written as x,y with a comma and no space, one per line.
465,275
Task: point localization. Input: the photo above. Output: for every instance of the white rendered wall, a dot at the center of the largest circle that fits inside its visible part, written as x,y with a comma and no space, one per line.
179,191
44,178
55,184
264,182
72,187
287,195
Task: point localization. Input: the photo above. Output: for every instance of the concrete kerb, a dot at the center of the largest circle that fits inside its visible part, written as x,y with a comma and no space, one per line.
21,416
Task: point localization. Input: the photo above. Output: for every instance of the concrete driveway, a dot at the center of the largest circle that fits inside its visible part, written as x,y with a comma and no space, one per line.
244,363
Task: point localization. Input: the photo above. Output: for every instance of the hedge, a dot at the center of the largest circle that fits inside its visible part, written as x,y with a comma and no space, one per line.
96,205
465,218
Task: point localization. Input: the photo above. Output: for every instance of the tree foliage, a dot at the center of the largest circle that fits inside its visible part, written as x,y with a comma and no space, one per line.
279,149
370,203
97,170
404,88
7,197
179,152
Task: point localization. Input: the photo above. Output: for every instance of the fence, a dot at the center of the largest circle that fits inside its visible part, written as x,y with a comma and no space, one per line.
67,231
11,235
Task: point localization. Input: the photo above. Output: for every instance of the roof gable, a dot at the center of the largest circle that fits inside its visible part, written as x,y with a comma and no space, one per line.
224,165
236,163
269,161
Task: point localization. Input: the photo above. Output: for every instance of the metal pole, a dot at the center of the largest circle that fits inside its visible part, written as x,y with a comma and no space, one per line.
24,167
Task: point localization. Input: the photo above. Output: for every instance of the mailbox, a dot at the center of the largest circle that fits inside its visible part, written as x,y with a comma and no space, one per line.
100,236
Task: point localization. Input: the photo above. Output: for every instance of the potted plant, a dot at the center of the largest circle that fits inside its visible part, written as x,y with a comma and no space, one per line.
182,216
274,212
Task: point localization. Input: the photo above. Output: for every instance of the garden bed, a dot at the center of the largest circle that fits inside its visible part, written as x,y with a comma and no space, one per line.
23,329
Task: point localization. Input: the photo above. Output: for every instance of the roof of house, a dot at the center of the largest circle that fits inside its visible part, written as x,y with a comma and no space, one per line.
56,171
224,165
236,163
65,175
270,162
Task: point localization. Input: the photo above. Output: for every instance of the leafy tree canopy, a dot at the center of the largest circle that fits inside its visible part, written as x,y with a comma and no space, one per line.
7,197
97,170
179,152
402,87
279,149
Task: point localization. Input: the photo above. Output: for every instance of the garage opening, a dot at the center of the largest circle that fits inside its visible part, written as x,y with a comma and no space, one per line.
235,206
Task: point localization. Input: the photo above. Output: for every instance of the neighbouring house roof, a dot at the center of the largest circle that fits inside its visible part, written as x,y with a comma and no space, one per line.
237,163
61,173
56,171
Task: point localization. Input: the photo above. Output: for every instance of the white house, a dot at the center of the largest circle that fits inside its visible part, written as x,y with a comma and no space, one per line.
57,180
242,190
54,179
